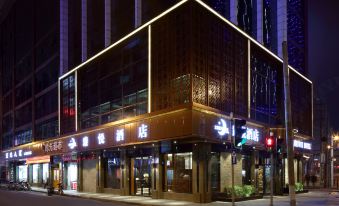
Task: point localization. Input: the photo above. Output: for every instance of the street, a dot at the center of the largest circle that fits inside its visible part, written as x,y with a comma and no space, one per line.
10,198
19,198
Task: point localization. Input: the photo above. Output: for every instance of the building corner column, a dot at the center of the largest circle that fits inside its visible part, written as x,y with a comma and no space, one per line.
125,170
201,173
157,174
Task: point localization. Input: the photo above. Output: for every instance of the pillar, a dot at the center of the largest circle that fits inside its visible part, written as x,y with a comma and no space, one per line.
157,173
125,173
100,172
201,173
79,175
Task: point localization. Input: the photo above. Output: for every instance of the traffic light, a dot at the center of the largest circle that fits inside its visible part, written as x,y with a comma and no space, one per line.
270,142
280,145
239,130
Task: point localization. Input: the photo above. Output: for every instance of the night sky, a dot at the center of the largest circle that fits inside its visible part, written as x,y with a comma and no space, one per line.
323,27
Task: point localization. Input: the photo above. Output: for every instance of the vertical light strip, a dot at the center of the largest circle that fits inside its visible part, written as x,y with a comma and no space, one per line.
59,106
312,107
149,69
76,99
249,78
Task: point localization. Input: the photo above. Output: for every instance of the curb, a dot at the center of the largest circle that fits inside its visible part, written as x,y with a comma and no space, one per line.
97,199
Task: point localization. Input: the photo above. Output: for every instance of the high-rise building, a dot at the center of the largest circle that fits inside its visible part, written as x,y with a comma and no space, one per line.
139,97
270,22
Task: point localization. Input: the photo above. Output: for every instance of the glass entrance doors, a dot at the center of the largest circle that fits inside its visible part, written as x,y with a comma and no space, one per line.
142,175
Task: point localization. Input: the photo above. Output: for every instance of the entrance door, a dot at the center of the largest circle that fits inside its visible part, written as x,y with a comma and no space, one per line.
56,177
142,175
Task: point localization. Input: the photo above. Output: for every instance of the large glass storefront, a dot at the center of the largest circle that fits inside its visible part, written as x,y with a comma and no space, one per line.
71,176
142,175
22,172
178,172
112,172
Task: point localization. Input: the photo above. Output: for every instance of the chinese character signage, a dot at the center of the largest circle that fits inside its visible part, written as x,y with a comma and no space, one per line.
142,131
302,145
53,146
18,154
120,135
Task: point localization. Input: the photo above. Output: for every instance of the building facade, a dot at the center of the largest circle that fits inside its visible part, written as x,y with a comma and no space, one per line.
146,107
271,22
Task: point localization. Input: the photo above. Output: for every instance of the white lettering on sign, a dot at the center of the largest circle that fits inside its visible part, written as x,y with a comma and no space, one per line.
101,138
221,127
18,153
72,143
53,146
85,141
302,145
143,131
27,153
307,145
120,136
251,134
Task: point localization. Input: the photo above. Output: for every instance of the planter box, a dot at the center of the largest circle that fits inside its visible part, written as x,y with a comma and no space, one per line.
286,191
222,196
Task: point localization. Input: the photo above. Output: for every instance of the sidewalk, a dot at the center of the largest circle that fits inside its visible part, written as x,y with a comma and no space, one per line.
134,200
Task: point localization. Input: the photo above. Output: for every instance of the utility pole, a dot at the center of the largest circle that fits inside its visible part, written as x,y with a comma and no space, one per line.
271,178
288,127
233,148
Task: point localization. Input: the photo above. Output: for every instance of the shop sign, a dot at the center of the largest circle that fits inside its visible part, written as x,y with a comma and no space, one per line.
120,135
221,127
302,145
142,131
251,134
53,146
17,153
72,143
85,141
101,138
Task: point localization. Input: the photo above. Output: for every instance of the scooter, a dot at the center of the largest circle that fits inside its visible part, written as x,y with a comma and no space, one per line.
60,188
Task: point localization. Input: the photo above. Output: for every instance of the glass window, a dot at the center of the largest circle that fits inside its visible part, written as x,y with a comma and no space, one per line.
115,86
113,173
72,175
178,172
36,173
22,174
45,172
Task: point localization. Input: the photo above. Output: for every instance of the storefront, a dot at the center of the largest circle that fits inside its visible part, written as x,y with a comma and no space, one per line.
146,157
38,170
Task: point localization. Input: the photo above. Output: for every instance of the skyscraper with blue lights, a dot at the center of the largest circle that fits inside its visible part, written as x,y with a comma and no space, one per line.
270,22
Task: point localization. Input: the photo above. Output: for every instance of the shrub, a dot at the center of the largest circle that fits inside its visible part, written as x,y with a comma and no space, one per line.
248,190
240,191
299,187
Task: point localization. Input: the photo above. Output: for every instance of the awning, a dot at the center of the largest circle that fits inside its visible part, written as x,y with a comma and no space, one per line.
39,159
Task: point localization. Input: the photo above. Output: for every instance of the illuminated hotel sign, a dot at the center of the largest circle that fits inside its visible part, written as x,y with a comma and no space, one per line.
120,135
143,131
85,141
302,145
101,138
221,127
17,153
251,134
72,143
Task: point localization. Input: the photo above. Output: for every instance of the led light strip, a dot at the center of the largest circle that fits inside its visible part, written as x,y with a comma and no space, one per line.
149,69
124,38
